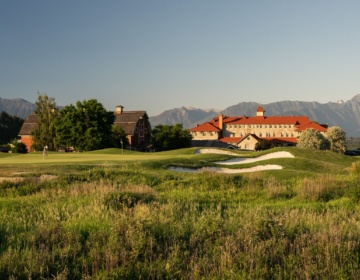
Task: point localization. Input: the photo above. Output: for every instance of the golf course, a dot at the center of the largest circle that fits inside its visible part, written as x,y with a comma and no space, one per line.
283,213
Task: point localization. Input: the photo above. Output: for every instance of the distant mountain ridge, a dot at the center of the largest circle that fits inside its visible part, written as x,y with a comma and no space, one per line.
186,116
17,107
343,114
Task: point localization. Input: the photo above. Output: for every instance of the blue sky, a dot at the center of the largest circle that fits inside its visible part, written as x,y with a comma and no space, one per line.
158,55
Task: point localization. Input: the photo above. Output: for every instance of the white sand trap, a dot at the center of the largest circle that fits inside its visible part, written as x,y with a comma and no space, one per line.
259,158
236,161
215,151
227,170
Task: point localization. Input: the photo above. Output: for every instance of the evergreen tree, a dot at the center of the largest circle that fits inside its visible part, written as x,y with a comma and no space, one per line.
44,134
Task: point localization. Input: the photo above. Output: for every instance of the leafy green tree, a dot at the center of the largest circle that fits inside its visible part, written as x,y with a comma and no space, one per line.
311,138
170,137
337,139
9,127
263,144
118,137
86,126
65,127
44,134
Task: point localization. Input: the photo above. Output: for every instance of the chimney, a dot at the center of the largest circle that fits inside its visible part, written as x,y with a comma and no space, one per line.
119,109
221,119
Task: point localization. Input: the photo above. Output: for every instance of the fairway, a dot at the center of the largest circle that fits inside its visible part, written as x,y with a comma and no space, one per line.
108,155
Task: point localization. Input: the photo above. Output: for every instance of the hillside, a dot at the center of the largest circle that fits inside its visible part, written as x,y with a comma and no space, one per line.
16,107
186,116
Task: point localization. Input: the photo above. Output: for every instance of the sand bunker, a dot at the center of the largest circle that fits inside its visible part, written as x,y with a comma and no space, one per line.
215,151
236,161
227,170
256,159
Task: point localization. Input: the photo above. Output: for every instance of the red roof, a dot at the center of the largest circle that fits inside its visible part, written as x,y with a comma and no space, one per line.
260,109
274,120
205,127
313,125
231,139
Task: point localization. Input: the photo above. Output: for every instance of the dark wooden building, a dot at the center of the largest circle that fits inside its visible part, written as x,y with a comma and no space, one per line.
136,126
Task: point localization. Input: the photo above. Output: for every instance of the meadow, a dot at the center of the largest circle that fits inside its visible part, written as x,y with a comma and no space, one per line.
113,215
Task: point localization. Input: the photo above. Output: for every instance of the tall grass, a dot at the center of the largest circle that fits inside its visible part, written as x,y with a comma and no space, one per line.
131,221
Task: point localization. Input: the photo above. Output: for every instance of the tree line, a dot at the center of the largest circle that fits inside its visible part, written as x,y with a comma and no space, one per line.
88,126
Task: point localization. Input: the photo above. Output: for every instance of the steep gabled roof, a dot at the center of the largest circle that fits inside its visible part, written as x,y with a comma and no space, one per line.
29,125
205,127
250,135
260,109
127,120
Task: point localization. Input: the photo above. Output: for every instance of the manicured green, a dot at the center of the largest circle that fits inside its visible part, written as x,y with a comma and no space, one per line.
112,215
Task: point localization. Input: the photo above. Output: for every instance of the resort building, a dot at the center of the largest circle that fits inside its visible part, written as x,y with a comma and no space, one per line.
245,132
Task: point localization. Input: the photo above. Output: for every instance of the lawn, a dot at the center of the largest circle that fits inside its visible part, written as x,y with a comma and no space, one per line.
113,215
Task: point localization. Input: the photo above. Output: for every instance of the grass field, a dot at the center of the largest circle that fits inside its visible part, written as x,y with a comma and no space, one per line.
113,215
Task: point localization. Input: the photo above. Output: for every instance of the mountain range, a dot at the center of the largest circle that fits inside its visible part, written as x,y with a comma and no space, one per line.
345,114
17,107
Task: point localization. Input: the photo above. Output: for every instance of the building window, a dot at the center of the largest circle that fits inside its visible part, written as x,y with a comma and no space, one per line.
270,126
249,126
260,134
136,130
